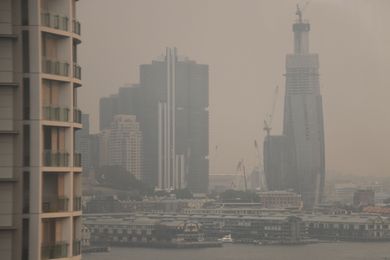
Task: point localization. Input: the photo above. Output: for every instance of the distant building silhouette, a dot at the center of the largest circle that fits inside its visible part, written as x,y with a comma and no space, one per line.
171,103
82,144
296,160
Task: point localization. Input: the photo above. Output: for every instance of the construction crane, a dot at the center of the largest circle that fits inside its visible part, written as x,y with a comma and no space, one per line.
241,167
268,121
263,181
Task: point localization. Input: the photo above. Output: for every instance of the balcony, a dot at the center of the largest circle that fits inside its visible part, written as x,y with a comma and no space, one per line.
76,247
55,21
56,113
55,159
55,67
76,71
77,160
59,204
77,115
77,204
56,250
76,27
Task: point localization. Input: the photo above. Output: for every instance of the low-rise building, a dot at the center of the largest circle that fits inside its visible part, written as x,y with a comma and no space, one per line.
280,199
282,229
348,227
141,230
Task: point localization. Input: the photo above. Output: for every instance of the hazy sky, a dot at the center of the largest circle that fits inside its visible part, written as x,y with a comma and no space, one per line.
245,43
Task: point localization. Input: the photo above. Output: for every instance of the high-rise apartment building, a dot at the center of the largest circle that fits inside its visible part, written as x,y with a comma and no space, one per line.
121,145
40,182
296,160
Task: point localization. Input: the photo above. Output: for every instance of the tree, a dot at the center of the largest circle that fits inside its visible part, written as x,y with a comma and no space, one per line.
183,194
119,178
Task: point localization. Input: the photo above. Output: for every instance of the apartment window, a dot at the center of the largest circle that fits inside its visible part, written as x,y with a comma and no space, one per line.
25,238
26,51
26,98
74,53
54,138
26,145
74,97
26,192
47,138
24,12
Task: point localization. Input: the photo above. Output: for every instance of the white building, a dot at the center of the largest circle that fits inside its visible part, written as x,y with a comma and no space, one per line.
121,145
40,182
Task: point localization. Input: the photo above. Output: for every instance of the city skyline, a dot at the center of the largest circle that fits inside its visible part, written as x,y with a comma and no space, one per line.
108,148
252,62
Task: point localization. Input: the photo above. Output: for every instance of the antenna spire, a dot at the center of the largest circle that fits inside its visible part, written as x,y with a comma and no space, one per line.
299,13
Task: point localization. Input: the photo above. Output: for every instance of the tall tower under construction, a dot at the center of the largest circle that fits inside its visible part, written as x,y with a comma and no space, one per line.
296,160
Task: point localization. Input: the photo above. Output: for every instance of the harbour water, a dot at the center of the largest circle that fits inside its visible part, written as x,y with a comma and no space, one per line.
320,251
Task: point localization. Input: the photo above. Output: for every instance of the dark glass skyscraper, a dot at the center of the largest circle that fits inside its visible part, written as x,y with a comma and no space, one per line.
296,160
174,121
171,104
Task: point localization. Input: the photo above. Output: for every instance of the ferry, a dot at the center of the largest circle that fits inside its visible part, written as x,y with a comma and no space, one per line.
226,239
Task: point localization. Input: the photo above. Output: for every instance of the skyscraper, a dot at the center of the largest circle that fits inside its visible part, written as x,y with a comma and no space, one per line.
121,145
296,160
126,102
171,104
174,121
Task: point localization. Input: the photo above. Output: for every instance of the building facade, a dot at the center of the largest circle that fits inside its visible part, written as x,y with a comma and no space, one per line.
348,227
142,227
40,182
298,160
121,145
174,120
171,103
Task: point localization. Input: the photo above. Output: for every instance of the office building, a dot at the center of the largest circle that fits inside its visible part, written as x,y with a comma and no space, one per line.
171,105
296,160
40,182
174,121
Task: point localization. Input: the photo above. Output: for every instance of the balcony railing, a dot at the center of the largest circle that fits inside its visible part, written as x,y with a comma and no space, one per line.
77,159
56,250
59,204
77,115
76,71
56,113
76,27
76,247
55,67
55,21
55,159
77,204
